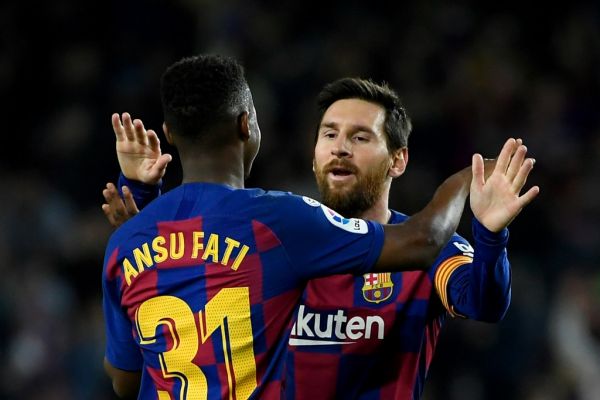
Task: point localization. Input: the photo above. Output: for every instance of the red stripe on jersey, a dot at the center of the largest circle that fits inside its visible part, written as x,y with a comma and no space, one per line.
334,291
206,352
432,332
169,230
271,390
268,387
222,372
160,382
416,285
113,269
249,274
409,368
273,312
141,289
316,385
264,237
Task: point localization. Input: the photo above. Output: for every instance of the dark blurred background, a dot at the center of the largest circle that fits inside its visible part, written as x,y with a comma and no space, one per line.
471,75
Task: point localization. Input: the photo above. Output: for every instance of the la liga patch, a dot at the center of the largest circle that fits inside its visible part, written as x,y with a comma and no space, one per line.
354,225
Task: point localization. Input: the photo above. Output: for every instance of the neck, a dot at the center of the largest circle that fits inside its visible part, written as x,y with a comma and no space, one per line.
214,167
379,212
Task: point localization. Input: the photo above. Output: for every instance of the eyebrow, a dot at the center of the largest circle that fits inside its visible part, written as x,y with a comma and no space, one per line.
355,127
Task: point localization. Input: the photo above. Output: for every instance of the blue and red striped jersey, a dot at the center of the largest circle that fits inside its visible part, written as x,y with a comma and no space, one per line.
373,336
201,287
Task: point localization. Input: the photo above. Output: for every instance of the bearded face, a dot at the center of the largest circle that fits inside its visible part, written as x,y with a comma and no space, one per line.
351,190
352,162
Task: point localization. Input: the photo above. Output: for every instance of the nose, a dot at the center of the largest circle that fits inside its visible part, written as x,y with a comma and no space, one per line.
341,147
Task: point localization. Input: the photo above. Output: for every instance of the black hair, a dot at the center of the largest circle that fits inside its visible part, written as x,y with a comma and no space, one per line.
199,92
397,123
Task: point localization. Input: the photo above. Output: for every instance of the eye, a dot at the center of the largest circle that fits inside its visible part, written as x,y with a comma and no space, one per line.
360,138
329,134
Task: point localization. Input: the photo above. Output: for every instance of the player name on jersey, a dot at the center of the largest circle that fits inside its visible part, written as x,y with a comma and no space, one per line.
194,245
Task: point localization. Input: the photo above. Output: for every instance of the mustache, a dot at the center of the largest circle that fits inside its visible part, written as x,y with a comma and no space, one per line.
340,164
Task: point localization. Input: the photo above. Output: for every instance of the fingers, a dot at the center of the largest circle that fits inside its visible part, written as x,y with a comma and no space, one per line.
117,210
477,169
133,130
529,196
505,155
521,177
130,206
516,162
128,125
113,209
108,213
118,127
140,132
153,140
159,168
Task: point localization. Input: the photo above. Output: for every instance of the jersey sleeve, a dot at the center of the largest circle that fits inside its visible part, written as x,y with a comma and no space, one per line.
476,283
121,349
319,241
142,193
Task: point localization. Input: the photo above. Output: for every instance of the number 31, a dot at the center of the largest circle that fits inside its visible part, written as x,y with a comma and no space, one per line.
231,305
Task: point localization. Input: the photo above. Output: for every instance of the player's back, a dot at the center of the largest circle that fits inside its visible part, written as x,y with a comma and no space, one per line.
208,277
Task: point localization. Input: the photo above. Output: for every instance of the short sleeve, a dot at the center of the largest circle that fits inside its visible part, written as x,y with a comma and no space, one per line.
319,241
122,350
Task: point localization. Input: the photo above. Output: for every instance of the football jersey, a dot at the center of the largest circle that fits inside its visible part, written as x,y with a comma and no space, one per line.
201,287
373,336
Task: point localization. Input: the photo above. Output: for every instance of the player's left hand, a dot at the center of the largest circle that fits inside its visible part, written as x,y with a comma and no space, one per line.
116,209
495,199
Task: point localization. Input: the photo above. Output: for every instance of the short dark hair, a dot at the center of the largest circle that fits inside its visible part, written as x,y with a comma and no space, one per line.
397,123
201,91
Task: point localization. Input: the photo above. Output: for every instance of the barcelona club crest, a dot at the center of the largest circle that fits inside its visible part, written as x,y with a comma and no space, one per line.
378,287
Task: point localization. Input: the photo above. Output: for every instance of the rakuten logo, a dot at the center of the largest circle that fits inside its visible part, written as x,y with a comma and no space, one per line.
322,329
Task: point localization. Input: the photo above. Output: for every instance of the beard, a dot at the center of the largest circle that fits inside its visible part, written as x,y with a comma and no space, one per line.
354,199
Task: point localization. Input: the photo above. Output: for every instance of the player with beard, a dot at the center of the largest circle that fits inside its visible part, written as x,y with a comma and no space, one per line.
373,336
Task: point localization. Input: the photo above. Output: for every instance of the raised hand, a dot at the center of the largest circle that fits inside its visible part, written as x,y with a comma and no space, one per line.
118,210
495,198
138,150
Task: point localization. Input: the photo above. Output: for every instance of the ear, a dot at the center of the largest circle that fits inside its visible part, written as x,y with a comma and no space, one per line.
399,162
167,134
313,165
243,122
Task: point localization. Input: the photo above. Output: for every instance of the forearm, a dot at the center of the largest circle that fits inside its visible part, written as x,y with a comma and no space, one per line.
416,243
482,290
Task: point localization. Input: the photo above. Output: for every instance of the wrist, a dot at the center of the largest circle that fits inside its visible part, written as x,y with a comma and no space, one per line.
142,192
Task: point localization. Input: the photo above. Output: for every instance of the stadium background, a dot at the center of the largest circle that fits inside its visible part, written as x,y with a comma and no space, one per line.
471,75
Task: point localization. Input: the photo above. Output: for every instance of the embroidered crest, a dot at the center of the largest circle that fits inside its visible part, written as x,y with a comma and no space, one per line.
377,287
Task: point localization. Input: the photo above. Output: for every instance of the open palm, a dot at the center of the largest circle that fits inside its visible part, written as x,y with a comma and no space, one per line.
496,201
138,150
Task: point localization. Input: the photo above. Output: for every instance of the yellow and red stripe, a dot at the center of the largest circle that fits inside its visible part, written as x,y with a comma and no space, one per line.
442,277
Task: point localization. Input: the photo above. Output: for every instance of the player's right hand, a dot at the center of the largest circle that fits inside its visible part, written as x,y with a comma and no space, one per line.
496,199
117,209
138,150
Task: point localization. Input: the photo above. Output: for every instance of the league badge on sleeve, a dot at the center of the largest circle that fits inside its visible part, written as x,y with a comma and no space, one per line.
354,225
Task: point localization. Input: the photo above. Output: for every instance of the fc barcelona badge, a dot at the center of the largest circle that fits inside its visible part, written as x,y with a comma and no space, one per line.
378,287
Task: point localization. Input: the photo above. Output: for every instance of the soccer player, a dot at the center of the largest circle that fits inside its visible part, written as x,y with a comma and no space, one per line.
200,288
374,336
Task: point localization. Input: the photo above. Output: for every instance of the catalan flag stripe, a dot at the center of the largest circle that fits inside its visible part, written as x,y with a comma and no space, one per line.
442,276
